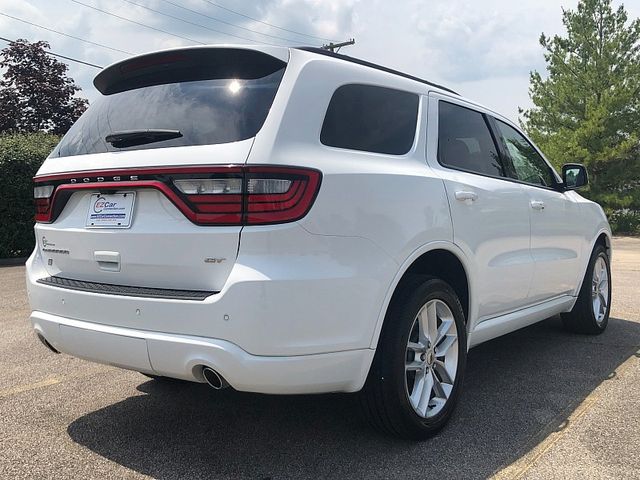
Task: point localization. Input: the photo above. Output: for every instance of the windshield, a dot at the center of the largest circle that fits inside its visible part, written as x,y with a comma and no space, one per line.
205,112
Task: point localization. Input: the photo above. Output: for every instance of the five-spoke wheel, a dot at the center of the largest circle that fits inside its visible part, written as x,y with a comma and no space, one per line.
432,358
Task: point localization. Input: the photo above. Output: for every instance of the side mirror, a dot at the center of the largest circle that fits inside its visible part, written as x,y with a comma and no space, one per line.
574,176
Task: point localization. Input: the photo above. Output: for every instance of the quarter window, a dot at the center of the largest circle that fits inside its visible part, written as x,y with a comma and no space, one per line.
370,118
528,164
465,142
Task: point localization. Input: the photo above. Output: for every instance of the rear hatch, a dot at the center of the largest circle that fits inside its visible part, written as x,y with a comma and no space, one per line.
145,189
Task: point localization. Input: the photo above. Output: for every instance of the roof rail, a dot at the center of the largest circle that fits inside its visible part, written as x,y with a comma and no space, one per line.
358,61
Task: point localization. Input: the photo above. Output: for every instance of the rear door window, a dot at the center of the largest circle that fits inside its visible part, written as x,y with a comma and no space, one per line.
371,118
209,96
465,141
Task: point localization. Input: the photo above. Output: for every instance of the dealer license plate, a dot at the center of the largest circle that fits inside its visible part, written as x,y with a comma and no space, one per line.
112,210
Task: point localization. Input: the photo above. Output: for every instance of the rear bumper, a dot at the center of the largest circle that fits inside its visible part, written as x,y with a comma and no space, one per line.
182,356
296,314
289,293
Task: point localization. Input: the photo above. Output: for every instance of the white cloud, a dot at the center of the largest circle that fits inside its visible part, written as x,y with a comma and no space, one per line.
474,43
484,49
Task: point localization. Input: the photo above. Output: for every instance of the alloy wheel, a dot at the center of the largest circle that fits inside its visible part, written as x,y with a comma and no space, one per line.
600,289
431,358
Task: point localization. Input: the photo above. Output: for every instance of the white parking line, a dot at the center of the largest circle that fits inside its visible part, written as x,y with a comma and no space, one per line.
555,433
31,386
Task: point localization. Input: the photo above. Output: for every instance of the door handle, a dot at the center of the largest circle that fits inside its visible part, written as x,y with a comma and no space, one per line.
537,205
465,196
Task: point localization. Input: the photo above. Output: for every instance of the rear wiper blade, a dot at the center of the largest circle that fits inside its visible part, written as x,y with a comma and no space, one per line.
130,138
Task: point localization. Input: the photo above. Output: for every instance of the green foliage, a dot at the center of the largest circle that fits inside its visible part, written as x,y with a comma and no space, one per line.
587,108
35,92
625,221
20,157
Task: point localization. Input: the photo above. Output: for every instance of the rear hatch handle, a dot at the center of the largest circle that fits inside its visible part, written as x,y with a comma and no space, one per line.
107,261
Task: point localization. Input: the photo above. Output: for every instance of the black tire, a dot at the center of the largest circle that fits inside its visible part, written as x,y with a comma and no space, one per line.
582,319
384,396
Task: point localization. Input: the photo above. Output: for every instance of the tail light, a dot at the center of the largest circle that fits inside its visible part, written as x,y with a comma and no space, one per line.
276,195
214,201
232,195
42,196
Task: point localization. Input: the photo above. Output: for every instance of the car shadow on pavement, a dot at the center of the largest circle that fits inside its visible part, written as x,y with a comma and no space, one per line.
516,386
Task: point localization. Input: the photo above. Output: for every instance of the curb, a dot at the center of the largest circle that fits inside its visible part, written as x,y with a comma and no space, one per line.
12,262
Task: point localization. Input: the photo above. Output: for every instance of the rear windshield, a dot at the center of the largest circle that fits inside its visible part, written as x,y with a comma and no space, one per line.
207,111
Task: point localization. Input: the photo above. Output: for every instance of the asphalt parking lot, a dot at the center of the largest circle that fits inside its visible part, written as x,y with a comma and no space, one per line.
539,403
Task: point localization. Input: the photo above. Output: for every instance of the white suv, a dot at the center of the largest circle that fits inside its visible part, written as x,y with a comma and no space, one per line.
294,221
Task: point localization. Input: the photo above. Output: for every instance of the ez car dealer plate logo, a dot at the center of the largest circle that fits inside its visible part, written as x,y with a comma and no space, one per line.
110,210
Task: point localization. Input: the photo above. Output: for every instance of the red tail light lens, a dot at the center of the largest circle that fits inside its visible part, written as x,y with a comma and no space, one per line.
43,210
233,195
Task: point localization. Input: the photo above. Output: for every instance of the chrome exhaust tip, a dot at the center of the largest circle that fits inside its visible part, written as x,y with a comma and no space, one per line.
214,379
45,343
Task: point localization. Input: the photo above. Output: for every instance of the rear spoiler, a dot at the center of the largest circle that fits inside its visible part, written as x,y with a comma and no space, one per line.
185,65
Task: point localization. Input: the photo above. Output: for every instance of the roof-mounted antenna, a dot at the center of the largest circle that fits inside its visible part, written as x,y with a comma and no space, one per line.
335,47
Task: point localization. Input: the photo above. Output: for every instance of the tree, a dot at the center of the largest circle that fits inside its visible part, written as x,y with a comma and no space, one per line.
35,92
587,108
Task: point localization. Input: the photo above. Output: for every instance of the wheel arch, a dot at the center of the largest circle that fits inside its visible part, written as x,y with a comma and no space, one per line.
443,260
602,238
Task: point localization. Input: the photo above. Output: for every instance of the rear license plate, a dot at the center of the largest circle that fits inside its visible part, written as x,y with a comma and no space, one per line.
110,210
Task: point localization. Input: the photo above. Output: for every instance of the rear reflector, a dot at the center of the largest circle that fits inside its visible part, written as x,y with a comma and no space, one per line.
220,195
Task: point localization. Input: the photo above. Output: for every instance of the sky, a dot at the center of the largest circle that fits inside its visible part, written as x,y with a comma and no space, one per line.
483,49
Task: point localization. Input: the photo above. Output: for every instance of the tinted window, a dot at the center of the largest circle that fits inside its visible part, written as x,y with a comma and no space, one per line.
370,118
465,142
529,166
205,112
